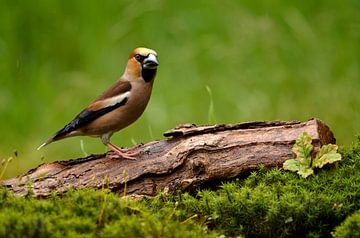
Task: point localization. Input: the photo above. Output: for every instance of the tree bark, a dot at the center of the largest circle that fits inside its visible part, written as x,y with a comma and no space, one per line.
194,156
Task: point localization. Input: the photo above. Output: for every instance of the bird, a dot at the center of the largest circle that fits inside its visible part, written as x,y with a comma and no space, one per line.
118,106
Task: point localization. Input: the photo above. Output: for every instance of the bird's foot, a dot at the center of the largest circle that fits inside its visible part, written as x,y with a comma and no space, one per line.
121,155
118,153
129,149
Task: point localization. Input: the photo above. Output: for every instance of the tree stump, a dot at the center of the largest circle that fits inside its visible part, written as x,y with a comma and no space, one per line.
194,156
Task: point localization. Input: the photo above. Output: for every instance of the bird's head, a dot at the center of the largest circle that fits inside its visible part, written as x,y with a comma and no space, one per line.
143,62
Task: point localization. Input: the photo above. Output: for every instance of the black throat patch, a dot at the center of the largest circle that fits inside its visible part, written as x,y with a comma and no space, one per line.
148,74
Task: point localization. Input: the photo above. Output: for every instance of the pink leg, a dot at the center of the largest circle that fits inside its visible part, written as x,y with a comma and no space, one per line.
129,149
121,153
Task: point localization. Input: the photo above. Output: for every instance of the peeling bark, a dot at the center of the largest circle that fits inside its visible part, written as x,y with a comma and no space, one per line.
194,156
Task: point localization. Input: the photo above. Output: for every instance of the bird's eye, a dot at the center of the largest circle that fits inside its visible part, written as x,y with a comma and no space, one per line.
139,58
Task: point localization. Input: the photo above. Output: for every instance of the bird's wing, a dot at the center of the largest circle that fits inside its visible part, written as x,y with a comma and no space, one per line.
115,97
119,87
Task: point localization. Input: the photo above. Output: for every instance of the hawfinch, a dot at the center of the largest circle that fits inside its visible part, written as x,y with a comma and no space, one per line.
119,106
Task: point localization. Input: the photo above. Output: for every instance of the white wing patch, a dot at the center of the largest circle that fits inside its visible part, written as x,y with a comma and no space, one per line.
116,99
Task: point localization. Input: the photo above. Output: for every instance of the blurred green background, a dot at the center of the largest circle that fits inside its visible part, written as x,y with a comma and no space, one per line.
262,60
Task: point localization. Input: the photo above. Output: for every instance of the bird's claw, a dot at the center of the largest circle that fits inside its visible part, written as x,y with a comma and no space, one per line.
131,148
122,155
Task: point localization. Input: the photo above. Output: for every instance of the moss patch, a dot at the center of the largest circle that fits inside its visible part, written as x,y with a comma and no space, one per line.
350,227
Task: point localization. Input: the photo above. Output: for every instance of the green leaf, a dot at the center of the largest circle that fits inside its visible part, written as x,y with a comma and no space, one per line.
305,171
302,149
303,164
297,166
292,165
327,155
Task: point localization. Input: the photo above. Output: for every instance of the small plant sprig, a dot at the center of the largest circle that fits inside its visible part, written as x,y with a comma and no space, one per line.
104,194
4,164
304,164
124,175
211,113
82,147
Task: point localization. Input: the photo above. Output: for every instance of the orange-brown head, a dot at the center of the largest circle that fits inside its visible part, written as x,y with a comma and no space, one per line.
142,62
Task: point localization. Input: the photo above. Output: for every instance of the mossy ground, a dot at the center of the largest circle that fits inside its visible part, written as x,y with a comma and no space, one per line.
350,227
269,203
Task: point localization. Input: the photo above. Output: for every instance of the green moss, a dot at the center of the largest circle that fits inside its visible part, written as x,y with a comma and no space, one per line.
269,203
350,227
89,213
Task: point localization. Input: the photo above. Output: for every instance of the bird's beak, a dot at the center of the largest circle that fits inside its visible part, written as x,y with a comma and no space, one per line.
150,62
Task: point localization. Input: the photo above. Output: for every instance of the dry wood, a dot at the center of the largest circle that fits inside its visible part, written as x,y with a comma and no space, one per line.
192,157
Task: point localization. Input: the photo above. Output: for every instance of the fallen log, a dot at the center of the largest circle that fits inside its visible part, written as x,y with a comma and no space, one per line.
194,156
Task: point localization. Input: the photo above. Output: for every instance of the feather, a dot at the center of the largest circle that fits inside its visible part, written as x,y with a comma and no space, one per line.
119,87
82,119
87,116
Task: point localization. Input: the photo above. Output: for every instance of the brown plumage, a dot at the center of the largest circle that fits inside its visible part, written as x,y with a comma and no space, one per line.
119,106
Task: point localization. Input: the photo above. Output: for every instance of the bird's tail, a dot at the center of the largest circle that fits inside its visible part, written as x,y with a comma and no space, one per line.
58,136
51,140
68,131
